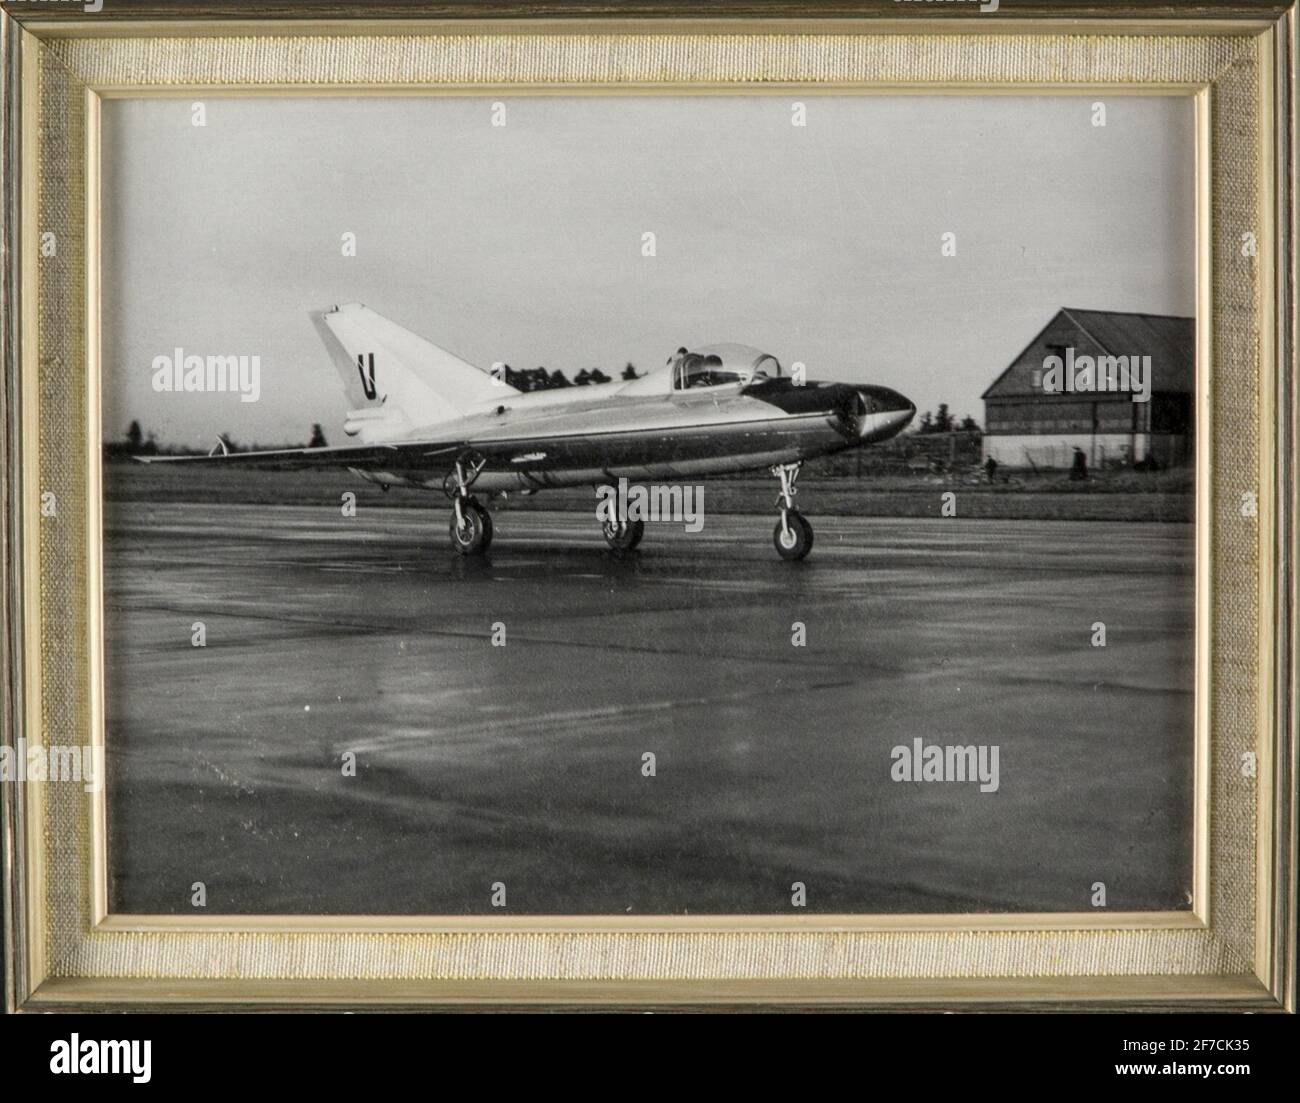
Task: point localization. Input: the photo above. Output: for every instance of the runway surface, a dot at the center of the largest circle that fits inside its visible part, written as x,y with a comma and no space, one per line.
523,764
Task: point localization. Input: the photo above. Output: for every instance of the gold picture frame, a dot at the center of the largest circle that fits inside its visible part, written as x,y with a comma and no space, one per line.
1235,948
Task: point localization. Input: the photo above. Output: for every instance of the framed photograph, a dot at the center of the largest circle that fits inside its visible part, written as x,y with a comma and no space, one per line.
517,507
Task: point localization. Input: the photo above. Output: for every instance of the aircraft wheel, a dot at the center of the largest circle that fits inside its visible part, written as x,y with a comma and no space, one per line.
625,538
798,542
476,535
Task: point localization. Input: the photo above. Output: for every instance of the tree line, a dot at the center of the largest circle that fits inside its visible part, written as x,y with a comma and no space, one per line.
941,421
137,442
539,379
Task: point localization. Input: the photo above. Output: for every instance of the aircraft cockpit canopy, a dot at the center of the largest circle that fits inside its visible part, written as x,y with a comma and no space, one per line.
718,365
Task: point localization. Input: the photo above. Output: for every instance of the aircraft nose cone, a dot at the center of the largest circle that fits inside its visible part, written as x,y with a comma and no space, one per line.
905,416
887,411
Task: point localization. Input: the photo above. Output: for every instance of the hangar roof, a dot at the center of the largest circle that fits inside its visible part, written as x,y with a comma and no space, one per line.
1170,341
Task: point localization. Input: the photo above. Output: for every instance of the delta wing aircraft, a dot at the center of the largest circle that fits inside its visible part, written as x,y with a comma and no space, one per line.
422,417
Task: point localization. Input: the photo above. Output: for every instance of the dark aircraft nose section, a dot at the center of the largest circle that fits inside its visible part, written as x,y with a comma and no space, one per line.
882,400
878,413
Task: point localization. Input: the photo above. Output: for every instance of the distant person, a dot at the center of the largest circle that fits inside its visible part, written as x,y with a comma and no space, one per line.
1080,468
991,466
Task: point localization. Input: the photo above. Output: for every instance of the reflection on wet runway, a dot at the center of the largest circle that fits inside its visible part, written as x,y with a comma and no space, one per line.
523,763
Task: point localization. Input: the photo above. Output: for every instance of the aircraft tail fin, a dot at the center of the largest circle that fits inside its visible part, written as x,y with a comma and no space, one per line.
396,381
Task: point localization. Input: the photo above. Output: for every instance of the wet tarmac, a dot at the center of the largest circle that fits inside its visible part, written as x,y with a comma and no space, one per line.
524,764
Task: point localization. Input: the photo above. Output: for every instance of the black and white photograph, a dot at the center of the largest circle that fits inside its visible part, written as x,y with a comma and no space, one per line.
649,504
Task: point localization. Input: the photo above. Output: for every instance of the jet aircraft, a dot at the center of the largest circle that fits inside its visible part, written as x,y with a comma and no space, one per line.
422,417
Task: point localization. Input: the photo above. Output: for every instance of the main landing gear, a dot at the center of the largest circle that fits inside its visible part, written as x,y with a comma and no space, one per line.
471,523
623,535
793,535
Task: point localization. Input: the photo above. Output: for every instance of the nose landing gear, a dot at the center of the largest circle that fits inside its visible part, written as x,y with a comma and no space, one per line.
471,523
793,535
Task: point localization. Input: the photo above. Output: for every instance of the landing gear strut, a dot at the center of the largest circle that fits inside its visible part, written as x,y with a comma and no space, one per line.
623,535
793,535
471,524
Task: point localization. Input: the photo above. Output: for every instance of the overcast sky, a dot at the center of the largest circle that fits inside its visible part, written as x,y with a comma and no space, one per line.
522,243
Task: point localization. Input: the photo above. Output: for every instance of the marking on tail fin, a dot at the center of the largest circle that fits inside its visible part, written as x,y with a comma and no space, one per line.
367,384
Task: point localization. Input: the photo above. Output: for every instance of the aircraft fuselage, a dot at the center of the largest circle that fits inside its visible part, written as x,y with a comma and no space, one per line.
561,438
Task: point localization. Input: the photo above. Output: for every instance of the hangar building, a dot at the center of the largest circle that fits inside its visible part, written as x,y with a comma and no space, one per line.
1031,421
